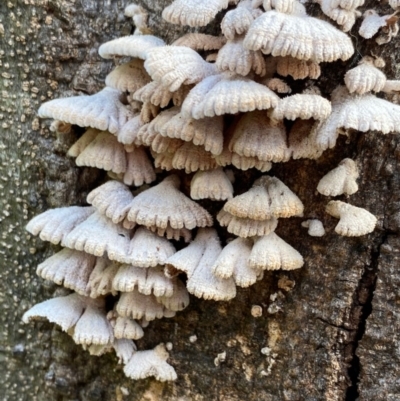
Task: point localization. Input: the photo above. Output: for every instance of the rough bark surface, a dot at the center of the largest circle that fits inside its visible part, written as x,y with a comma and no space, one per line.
328,331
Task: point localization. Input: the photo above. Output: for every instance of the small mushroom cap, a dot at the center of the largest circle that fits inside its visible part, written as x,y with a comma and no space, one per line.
112,199
235,58
354,221
341,180
174,66
213,184
344,17
271,252
245,227
255,136
165,204
373,22
147,281
304,106
274,32
315,227
193,12
207,132
229,95
93,327
200,41
179,299
128,77
278,85
365,78
150,363
298,69
303,140
139,169
55,224
233,262
64,311
104,152
124,349
83,142
269,197
102,110
101,278
136,305
196,260
135,46
125,327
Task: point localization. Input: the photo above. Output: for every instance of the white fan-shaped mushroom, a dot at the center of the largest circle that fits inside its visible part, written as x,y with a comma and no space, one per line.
212,184
315,227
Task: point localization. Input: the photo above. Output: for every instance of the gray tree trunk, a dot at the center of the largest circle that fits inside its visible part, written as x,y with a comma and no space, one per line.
329,331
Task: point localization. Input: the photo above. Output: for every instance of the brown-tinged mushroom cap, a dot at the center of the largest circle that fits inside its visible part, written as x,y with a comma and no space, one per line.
135,46
165,204
129,130
303,140
146,249
245,227
179,299
148,112
104,152
98,235
196,261
161,144
303,106
269,197
212,184
255,136
100,280
55,224
235,58
373,22
136,305
200,41
139,169
274,32
174,66
365,77
233,262
128,77
113,199
207,132
191,158
147,281
85,140
102,110
298,69
315,227
362,113
64,311
158,95
271,252
341,180
193,12
354,221
124,327
278,85
150,363
163,160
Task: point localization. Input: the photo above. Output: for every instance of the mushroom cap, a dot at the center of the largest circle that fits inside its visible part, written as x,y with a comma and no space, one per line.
304,106
112,199
235,58
200,41
207,132
245,227
172,233
191,158
271,252
196,260
100,280
278,85
212,184
55,224
147,281
150,363
372,23
298,36
193,12
179,299
233,262
132,46
83,142
102,110
365,78
174,66
298,69
255,136
64,311
139,168
354,221
269,197
148,112
344,17
161,144
164,203
315,227
124,349
128,77
341,180
124,327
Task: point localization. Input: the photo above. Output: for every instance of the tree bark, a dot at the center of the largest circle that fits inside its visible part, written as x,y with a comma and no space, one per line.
328,330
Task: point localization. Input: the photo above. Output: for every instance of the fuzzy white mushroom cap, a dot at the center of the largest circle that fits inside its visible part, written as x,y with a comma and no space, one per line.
212,184
354,221
150,363
315,227
124,327
341,180
346,17
373,22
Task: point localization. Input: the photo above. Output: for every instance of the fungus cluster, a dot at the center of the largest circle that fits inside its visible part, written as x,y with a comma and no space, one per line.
200,107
